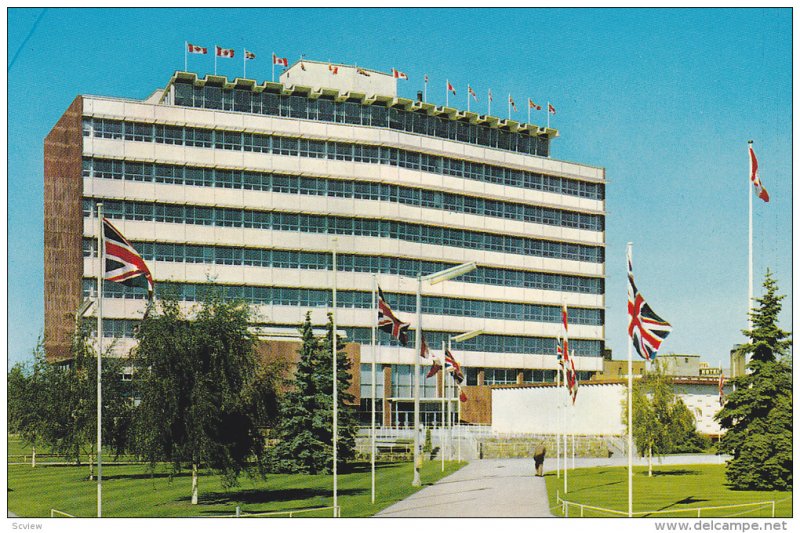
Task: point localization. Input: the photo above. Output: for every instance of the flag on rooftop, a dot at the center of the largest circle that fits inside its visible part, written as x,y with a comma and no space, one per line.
646,329
396,74
760,190
123,264
491,98
224,52
282,61
248,54
511,102
334,70
450,87
194,49
362,71
551,109
472,93
388,322
533,105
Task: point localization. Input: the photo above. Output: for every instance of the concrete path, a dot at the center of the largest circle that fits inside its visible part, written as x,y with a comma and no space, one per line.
485,488
506,488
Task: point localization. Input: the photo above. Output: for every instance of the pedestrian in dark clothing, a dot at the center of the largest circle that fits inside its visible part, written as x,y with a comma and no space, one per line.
538,459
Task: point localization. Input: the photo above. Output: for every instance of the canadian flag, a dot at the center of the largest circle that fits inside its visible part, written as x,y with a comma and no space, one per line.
399,75
280,61
760,190
194,49
450,87
533,105
224,52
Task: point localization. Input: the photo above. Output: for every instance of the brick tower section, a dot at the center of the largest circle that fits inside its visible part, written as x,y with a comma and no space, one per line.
63,231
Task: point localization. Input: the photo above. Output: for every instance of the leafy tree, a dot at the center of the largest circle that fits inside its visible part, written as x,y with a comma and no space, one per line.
662,423
57,403
304,433
201,401
758,413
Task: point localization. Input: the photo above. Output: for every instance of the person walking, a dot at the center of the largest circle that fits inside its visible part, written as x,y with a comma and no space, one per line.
538,459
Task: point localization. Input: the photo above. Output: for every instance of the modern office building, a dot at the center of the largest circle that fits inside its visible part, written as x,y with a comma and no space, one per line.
246,185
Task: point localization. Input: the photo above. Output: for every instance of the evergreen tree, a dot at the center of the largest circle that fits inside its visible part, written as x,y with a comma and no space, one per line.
299,433
758,413
347,419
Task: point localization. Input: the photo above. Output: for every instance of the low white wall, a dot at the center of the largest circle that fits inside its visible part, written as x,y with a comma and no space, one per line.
537,410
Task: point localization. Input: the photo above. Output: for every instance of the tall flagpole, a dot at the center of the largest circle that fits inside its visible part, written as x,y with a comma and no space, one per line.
447,94
416,482
468,88
444,375
529,110
334,344
273,67
630,402
244,63
564,423
749,249
215,60
374,378
425,90
509,106
186,56
558,428
489,112
101,256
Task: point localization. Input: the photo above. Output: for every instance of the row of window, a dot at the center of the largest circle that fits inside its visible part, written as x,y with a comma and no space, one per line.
360,153
291,184
406,303
291,259
375,115
420,233
113,327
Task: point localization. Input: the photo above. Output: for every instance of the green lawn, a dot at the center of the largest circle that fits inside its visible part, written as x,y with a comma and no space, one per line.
672,488
129,491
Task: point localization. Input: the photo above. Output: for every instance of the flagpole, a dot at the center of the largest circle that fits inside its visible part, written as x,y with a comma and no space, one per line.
425,90
630,398
449,400
447,94
186,56
564,423
443,371
489,112
749,250
558,426
273,67
101,257
418,340
468,89
509,106
244,63
548,114
335,395
529,110
374,379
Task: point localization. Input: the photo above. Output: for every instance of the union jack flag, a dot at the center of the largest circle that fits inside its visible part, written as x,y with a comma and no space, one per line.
123,263
388,322
452,366
646,329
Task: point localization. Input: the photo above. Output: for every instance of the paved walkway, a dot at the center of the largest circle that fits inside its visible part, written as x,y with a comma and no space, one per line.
505,488
485,488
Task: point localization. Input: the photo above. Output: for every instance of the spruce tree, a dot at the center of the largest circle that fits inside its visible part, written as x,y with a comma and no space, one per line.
758,414
300,446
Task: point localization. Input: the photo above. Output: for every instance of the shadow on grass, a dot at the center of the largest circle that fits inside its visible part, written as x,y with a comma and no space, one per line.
266,496
146,475
657,473
689,500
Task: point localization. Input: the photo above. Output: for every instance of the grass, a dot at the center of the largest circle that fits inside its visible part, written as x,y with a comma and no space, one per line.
672,488
130,491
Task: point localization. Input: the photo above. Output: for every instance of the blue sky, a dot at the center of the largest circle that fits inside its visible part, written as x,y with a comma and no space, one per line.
665,100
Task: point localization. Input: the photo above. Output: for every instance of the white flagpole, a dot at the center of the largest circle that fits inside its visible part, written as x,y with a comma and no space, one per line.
447,94
101,256
558,423
449,395
186,56
273,67
509,106
416,482
749,248
564,424
468,88
215,60
374,379
335,394
244,63
529,110
425,89
443,371
630,399
548,114
489,99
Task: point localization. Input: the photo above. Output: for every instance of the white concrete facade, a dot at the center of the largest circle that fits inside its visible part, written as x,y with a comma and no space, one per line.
152,112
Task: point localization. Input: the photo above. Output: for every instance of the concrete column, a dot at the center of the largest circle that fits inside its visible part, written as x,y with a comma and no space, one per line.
481,373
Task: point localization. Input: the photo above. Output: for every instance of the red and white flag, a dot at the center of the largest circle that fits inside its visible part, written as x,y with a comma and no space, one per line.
224,52
450,87
249,55
396,74
760,190
334,70
472,93
533,105
194,49
282,61
551,109
511,101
